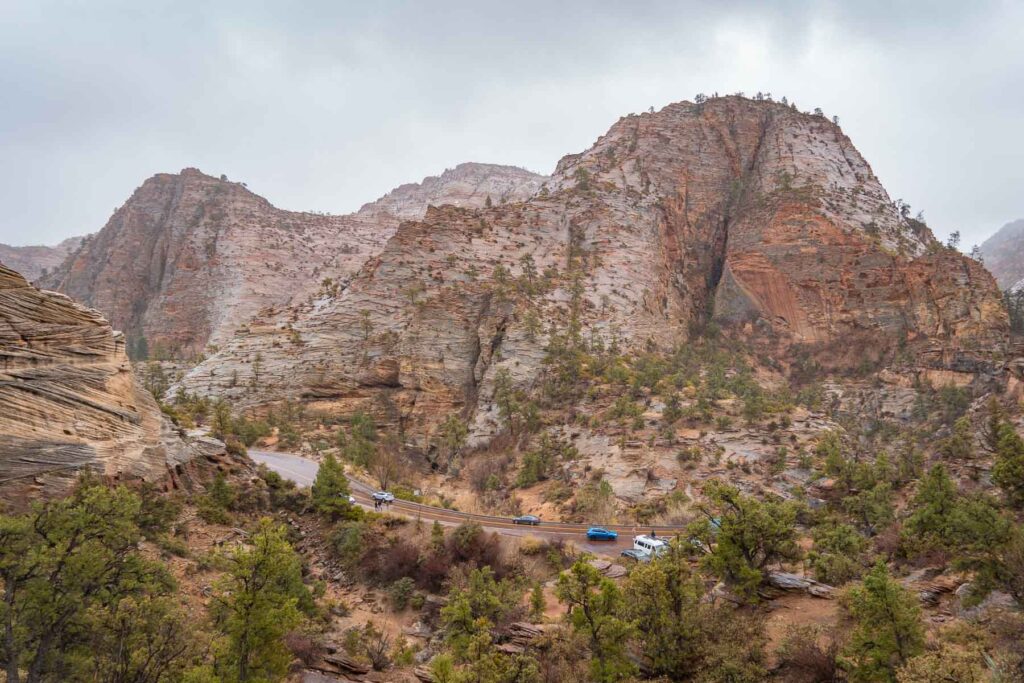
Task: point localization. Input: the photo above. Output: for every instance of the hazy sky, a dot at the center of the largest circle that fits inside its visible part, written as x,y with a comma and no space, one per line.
327,105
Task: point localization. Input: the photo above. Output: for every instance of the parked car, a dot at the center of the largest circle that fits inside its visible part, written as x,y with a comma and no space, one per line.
532,520
599,533
650,545
384,496
636,555
351,500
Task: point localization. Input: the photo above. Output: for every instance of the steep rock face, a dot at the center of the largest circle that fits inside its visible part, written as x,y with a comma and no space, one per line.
468,185
189,258
1003,253
34,261
745,212
70,400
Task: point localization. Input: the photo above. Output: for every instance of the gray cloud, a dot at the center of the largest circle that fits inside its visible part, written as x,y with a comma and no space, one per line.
326,105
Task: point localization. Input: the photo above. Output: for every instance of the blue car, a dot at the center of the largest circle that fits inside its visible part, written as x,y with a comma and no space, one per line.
599,533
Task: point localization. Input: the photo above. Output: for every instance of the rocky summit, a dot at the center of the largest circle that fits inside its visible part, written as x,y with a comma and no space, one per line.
70,400
190,258
743,214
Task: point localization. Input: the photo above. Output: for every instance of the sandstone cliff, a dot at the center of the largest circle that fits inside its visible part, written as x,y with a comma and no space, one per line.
190,258
1003,254
748,213
70,400
33,261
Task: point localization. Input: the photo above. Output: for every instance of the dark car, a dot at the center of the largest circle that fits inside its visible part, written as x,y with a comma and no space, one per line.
532,520
599,533
636,555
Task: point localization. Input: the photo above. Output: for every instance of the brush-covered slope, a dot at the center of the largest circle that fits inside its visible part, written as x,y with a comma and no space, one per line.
750,214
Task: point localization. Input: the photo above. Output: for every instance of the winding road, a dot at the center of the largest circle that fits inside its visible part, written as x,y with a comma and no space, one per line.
303,471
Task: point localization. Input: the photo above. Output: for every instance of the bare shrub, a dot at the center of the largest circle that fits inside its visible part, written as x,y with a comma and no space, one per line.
807,655
307,650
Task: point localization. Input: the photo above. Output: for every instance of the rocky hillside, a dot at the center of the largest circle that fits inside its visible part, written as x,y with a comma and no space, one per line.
189,258
70,399
743,213
33,261
1003,254
469,185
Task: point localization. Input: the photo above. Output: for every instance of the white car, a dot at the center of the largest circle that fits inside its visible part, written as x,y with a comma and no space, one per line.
650,545
351,500
384,496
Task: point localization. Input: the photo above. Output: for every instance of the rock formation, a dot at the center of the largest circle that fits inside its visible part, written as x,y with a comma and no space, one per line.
1003,254
36,260
189,258
70,400
467,185
742,212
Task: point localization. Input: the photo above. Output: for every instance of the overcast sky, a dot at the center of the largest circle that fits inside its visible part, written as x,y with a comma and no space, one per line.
331,104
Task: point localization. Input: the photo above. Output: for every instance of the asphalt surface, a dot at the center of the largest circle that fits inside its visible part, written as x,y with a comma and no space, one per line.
303,471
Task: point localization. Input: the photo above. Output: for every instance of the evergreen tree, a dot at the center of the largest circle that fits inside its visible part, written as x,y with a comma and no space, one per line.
480,604
453,437
330,490
78,597
507,399
1008,470
595,608
256,604
959,446
683,635
745,536
838,553
929,523
887,630
537,602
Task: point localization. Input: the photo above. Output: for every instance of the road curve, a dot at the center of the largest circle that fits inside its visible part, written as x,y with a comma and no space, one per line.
303,471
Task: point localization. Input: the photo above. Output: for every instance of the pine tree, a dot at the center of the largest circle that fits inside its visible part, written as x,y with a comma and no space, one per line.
888,629
330,488
933,508
453,437
663,598
595,605
1008,471
537,602
746,536
80,601
256,604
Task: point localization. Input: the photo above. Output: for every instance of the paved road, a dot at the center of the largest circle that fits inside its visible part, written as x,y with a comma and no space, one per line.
303,471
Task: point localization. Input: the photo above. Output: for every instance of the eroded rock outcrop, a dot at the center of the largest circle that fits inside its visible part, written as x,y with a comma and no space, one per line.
749,213
70,400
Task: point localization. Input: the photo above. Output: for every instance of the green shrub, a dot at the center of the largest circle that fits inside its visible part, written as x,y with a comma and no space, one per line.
400,592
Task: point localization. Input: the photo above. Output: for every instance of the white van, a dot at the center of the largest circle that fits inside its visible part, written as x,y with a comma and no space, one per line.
650,546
